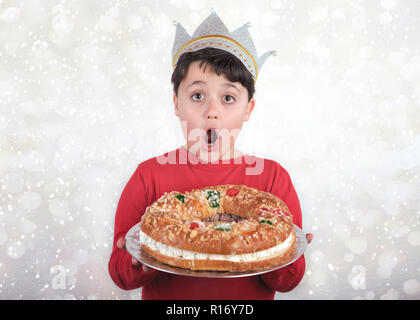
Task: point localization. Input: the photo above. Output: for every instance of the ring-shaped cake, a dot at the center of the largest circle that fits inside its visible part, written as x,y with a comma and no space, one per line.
232,228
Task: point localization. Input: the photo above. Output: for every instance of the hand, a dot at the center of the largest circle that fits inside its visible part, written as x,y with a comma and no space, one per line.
121,245
309,237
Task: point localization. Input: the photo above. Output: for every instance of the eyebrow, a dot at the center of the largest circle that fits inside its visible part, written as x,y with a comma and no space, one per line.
226,84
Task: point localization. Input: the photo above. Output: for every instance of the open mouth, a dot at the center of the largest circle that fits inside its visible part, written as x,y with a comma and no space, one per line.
212,136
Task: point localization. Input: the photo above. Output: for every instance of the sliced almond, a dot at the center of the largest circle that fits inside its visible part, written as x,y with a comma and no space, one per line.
193,233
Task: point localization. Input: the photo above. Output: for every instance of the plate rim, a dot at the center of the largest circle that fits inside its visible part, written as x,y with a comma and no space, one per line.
134,249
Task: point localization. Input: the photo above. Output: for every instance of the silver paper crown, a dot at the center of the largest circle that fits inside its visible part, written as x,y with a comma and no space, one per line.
213,33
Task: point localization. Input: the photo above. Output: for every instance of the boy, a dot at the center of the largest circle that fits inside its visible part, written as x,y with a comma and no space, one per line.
213,96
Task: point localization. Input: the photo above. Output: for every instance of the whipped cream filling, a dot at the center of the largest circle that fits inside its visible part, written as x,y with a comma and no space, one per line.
192,255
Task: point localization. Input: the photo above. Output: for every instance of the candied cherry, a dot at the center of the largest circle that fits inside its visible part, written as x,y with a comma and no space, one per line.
194,225
232,192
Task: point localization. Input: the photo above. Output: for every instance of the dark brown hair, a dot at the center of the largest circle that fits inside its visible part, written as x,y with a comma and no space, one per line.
222,62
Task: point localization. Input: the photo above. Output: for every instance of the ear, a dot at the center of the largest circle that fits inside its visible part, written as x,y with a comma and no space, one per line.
251,105
175,99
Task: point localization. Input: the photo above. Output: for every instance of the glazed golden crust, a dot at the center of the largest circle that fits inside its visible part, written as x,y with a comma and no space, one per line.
175,220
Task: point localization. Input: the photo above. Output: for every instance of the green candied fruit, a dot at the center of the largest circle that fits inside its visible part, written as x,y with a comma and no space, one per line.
266,221
180,197
213,198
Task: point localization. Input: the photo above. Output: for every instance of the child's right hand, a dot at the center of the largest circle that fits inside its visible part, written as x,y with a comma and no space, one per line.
121,245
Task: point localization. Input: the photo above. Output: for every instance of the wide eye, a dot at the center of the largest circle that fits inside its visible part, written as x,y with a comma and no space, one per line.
228,98
197,96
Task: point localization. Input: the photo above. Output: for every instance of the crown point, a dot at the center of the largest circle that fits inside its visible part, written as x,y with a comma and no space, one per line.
274,52
175,23
248,24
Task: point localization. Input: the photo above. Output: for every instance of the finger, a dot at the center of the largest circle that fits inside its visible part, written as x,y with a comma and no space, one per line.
146,268
135,262
121,243
309,237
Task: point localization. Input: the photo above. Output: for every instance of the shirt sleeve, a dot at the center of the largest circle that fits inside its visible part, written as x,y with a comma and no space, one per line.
287,278
131,206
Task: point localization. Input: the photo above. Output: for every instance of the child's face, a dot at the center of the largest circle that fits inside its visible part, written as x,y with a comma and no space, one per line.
206,100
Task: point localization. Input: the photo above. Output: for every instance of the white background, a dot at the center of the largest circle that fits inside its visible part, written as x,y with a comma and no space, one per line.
85,95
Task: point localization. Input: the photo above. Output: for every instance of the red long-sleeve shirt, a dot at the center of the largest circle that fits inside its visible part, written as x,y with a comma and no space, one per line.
184,172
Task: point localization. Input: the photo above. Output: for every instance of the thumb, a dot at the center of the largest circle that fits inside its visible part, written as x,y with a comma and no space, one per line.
121,243
309,237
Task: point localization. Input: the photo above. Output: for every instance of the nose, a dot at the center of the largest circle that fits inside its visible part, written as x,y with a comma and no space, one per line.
212,110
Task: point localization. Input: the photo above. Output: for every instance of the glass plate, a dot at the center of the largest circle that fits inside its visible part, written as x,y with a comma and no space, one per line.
134,248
